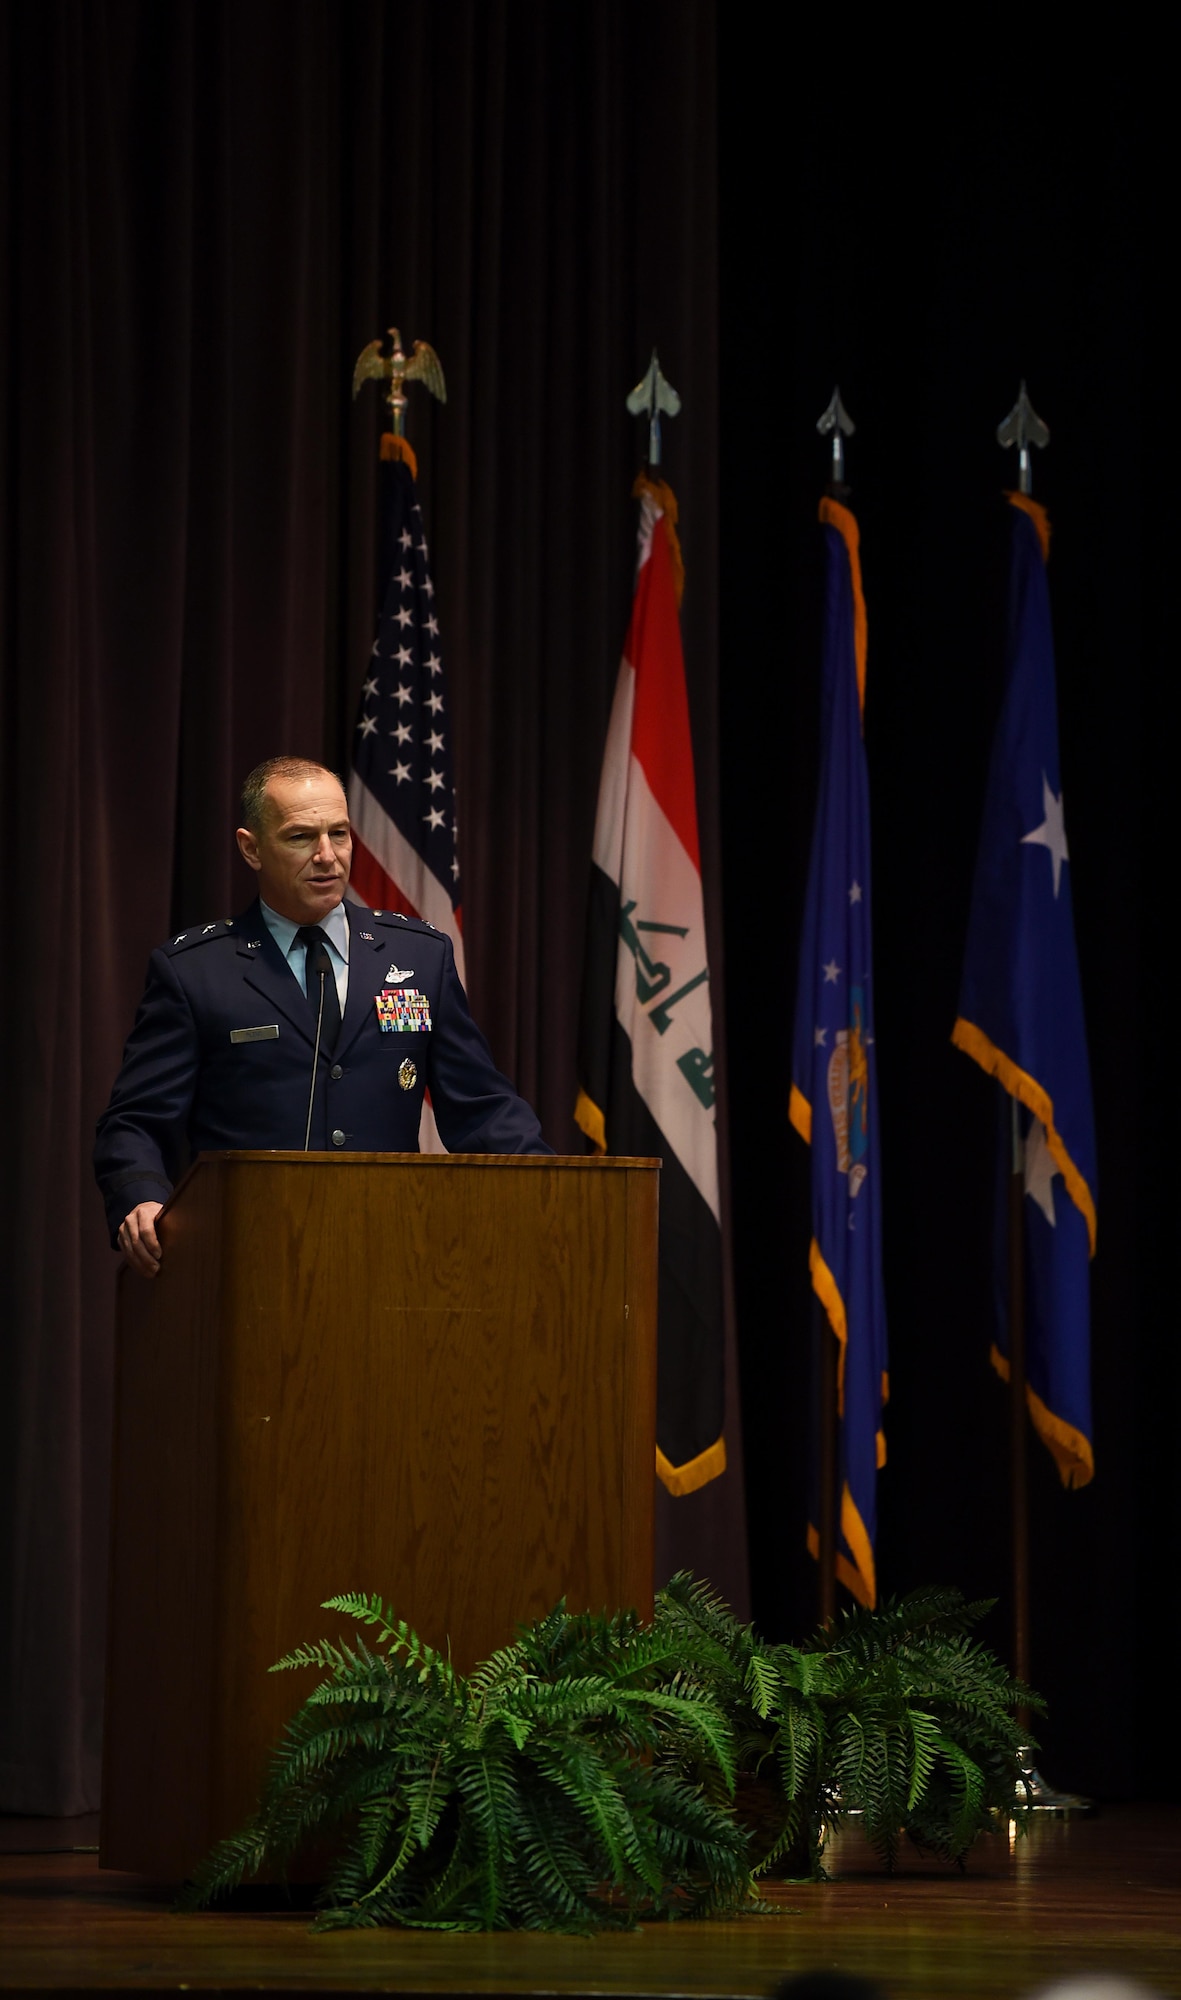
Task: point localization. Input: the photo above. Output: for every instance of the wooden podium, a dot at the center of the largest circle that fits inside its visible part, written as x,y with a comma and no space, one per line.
431,1377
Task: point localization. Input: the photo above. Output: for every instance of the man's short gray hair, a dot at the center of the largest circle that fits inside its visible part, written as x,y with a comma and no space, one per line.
254,787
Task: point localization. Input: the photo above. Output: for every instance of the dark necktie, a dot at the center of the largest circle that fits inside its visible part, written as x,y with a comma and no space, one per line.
313,937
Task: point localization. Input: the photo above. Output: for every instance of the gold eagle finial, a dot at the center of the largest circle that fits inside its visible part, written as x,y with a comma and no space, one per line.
422,366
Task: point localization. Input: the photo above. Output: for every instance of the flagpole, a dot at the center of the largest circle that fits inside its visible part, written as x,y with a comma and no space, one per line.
837,422
1018,1433
826,1525
1023,428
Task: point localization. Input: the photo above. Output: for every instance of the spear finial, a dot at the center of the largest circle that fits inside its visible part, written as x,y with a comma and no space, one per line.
1023,427
836,419
653,394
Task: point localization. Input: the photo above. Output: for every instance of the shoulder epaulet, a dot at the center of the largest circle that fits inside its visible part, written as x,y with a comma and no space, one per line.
197,934
395,920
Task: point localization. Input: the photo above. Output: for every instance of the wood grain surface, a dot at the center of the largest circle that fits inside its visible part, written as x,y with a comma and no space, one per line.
1092,1895
429,1377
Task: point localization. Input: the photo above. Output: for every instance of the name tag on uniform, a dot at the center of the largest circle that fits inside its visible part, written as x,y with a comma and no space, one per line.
268,1034
403,1012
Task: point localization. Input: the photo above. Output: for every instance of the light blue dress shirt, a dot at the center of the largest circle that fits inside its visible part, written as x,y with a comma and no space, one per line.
335,927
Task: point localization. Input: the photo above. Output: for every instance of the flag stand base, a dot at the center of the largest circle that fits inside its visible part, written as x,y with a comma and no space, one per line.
1034,1791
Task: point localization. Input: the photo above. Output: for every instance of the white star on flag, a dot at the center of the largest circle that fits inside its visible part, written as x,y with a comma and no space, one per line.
1051,833
854,892
832,972
820,1038
400,791
1040,1168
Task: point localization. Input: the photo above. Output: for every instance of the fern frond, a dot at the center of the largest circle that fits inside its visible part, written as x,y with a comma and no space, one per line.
368,1608
228,1865
576,1770
764,1683
968,1784
486,1785
322,1653
926,1742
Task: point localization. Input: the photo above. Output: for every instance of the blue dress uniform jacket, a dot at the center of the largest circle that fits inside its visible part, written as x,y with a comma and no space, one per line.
198,1076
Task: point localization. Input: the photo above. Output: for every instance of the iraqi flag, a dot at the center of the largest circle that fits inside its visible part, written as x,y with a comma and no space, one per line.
646,1066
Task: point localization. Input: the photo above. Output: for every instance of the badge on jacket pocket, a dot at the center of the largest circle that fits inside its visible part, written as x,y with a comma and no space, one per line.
404,1012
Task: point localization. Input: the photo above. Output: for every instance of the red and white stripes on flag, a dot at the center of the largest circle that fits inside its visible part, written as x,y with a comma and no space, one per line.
646,1067
401,789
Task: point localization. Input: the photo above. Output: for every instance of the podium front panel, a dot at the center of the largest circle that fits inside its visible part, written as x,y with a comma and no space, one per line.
427,1376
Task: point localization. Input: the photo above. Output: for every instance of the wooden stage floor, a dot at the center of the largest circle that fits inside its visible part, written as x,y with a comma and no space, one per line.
1101,1893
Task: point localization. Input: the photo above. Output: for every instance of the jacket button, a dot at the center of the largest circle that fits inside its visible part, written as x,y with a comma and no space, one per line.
336,1072
338,1137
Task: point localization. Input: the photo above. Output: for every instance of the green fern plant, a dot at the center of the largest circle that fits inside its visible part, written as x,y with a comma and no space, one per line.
585,1775
897,1715
578,1777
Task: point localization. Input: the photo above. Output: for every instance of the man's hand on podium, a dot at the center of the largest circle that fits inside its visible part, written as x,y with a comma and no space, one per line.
138,1240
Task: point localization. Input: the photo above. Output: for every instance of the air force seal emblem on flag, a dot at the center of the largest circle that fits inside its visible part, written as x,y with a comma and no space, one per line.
848,1098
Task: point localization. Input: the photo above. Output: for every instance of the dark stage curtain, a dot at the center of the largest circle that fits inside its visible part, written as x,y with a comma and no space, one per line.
207,211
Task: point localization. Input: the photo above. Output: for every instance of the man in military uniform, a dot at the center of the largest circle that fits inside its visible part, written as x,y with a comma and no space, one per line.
221,1054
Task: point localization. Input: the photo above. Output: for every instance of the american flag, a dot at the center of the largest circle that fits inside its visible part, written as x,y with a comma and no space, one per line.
401,788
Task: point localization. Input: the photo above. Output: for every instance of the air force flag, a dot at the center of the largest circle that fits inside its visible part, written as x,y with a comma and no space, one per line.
834,1061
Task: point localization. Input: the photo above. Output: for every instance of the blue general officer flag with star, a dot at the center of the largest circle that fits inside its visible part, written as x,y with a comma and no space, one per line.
834,1061
1021,1013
